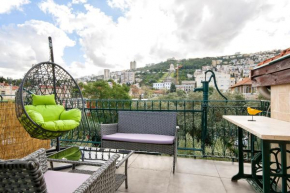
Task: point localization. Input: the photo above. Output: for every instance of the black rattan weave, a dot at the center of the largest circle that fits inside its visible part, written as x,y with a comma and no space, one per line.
42,79
28,175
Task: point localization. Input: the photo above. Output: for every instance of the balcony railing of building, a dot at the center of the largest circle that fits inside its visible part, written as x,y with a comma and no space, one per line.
218,140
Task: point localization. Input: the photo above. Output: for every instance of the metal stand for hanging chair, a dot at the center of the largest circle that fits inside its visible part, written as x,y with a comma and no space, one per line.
43,79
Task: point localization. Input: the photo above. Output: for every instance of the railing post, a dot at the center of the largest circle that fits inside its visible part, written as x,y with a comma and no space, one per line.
204,115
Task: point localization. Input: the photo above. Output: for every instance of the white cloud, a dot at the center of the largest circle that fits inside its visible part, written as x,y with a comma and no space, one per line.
152,31
266,31
26,44
8,5
121,4
78,1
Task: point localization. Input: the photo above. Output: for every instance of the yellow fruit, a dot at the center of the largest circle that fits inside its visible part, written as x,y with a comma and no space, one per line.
253,111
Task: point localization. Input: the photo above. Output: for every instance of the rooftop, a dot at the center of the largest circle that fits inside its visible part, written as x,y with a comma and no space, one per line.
279,56
245,81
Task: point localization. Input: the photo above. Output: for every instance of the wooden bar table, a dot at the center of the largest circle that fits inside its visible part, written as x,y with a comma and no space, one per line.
269,131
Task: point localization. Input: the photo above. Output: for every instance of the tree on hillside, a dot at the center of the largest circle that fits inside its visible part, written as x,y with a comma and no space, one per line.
172,88
2,79
102,90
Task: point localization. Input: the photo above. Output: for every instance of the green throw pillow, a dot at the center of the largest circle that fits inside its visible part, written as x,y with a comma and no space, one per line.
36,117
43,99
73,114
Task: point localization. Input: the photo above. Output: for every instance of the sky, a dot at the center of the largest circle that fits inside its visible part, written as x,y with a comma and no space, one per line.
92,35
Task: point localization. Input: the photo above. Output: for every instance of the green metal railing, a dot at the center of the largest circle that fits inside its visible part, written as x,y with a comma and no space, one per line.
219,139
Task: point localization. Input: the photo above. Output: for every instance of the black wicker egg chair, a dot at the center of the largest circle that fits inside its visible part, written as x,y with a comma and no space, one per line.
43,79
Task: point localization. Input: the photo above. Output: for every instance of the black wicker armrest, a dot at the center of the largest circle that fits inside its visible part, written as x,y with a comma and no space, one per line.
21,176
107,129
40,156
103,180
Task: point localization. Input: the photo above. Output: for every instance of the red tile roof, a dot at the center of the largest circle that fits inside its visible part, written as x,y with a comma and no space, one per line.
15,87
283,53
245,81
4,84
158,91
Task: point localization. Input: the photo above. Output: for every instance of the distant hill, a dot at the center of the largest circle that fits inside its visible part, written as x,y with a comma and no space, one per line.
155,72
152,73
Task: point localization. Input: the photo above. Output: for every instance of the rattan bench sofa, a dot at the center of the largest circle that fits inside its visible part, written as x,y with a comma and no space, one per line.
143,131
31,174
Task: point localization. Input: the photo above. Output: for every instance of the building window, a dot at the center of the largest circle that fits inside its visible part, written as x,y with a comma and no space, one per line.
2,92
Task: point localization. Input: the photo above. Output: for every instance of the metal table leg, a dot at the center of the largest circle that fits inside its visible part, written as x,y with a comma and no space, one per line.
240,173
266,165
126,174
284,166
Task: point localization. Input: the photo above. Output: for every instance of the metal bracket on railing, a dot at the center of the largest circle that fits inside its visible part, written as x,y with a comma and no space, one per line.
205,86
205,90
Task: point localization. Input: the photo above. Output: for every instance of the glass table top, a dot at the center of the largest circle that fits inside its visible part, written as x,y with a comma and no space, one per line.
96,155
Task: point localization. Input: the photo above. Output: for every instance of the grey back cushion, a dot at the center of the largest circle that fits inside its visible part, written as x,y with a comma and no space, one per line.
161,123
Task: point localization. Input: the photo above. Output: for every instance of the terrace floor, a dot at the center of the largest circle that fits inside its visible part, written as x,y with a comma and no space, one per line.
153,174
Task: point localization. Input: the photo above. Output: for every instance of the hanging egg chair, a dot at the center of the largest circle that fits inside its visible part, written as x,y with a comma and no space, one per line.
49,102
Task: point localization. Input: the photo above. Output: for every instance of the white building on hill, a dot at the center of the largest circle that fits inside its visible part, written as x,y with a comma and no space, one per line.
171,68
223,80
163,85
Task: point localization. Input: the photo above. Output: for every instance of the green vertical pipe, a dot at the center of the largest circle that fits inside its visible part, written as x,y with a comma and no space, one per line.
204,114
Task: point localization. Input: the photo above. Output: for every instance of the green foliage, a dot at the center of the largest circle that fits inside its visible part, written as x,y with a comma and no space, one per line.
149,78
15,82
2,79
172,88
102,90
213,95
188,67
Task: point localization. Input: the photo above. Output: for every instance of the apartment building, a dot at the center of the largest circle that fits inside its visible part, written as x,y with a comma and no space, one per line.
106,74
133,65
163,85
223,80
8,89
128,77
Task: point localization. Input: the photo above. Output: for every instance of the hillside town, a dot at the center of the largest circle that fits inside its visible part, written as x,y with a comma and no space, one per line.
231,72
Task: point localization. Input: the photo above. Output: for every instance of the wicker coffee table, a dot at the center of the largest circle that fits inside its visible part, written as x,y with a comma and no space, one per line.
92,156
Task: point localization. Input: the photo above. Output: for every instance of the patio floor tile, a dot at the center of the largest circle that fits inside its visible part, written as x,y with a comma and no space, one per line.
196,166
146,181
153,174
229,169
185,183
241,186
153,162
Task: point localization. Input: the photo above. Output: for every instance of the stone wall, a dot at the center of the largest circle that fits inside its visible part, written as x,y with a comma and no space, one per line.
280,107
